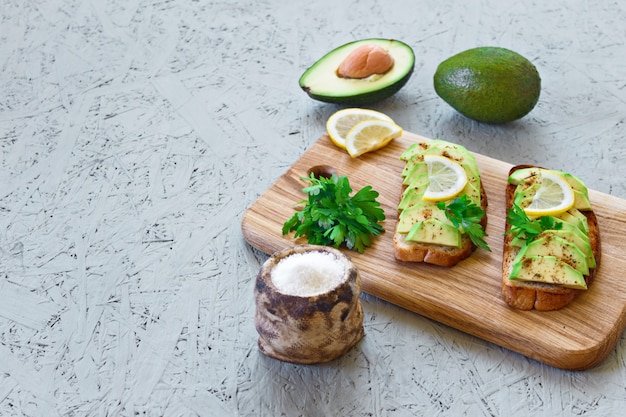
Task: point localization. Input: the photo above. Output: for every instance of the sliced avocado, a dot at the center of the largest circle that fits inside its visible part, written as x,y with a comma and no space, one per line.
581,193
548,269
415,191
528,181
581,200
571,228
573,234
413,195
576,183
414,149
520,175
525,192
565,250
569,232
419,212
488,84
414,155
416,172
321,82
575,217
421,220
451,150
472,190
580,216
435,232
517,242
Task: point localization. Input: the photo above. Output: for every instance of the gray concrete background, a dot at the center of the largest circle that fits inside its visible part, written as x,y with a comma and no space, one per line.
134,134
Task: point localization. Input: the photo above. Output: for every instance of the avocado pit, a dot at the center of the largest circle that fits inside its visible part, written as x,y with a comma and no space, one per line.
365,61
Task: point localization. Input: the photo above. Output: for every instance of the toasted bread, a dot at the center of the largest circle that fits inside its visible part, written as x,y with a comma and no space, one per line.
527,295
437,254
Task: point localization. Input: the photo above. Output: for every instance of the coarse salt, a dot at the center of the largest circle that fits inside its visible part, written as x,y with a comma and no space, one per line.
308,274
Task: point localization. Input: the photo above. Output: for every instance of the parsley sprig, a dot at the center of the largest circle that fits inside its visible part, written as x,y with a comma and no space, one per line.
524,228
466,216
331,216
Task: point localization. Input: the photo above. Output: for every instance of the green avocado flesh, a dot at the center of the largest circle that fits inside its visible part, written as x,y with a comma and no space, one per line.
548,269
436,232
562,255
489,84
322,83
561,248
421,220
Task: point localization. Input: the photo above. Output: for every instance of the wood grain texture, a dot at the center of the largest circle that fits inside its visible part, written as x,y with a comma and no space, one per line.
468,296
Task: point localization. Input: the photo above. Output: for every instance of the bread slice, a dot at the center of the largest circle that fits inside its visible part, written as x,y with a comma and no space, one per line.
437,254
526,295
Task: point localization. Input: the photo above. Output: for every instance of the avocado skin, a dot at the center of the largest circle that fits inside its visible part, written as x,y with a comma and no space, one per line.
489,84
361,99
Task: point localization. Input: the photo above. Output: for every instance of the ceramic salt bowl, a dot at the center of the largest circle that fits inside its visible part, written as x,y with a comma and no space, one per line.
307,305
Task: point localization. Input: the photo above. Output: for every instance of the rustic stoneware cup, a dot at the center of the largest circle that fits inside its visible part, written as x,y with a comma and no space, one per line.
308,328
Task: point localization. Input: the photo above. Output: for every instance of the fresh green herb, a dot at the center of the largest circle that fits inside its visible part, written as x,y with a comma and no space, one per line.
331,216
524,228
466,216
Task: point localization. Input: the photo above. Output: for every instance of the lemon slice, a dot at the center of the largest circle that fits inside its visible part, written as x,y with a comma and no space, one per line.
371,135
339,123
554,196
446,178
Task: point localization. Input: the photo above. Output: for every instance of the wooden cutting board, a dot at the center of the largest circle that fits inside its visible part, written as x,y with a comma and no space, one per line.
468,296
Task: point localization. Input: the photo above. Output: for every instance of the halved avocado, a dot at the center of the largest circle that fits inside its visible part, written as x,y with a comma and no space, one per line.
322,83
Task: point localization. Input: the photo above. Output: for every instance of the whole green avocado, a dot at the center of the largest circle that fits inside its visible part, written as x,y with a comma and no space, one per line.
489,84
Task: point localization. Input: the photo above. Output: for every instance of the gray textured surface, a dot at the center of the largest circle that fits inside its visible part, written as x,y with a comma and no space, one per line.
134,134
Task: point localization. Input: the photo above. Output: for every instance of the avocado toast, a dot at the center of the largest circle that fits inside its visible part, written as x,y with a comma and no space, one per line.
424,233
547,260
